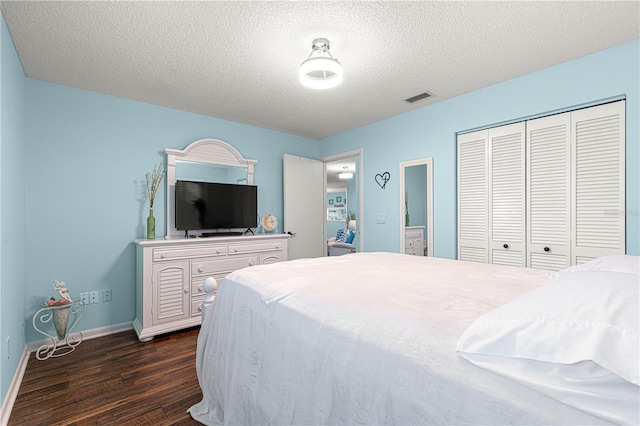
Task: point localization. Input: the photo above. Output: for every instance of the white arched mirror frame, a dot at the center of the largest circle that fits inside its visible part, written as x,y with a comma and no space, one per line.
429,188
206,151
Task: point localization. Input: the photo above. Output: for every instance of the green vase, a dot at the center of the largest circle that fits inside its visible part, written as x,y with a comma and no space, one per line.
406,218
151,226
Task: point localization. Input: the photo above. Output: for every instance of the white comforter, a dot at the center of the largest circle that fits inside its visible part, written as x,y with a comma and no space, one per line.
367,338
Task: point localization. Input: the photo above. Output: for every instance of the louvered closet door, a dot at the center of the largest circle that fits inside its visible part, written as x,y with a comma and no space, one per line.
598,190
507,195
548,192
472,197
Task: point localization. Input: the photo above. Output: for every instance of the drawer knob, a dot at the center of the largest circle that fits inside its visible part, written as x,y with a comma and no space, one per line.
201,269
186,290
547,249
235,249
162,256
218,251
251,263
505,245
199,308
200,289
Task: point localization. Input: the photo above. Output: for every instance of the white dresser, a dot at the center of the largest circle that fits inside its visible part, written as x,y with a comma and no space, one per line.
414,240
170,274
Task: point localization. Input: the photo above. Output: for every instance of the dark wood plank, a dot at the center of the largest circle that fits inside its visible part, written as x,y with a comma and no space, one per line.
113,380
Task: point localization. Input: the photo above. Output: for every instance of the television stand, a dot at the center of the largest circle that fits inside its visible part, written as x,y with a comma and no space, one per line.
170,273
220,234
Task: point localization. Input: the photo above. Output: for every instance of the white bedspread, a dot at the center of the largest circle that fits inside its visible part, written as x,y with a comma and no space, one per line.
367,338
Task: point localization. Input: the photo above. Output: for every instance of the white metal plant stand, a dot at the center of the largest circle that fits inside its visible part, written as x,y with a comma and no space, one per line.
66,341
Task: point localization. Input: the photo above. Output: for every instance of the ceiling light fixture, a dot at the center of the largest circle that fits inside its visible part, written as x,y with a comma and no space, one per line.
322,71
345,174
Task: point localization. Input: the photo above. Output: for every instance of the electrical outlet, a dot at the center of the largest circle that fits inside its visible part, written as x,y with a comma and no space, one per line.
106,296
85,298
381,218
93,297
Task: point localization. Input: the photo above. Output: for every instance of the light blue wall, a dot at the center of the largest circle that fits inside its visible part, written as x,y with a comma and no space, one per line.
12,210
431,132
87,155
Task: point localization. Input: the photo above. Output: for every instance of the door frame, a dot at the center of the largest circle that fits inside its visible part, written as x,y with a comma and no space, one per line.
341,156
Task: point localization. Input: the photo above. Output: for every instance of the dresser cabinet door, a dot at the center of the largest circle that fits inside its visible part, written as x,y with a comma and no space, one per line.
171,283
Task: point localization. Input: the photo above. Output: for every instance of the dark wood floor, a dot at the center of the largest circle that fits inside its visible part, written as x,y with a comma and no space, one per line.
113,380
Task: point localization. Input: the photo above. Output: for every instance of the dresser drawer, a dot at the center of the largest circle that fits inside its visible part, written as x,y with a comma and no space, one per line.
413,233
197,283
226,265
244,248
271,257
196,307
189,251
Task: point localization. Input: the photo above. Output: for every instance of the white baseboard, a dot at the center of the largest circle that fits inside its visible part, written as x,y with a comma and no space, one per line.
86,335
14,387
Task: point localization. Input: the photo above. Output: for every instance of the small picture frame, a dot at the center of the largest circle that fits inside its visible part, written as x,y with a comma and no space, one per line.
331,202
338,199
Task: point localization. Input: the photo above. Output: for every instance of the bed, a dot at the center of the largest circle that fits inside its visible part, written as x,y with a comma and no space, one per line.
384,338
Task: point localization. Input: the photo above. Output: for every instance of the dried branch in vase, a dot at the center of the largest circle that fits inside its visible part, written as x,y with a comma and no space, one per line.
153,182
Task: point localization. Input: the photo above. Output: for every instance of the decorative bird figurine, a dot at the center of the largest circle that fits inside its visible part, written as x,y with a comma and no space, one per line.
60,288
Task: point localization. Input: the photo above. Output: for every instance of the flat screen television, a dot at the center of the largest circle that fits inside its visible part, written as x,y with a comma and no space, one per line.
215,206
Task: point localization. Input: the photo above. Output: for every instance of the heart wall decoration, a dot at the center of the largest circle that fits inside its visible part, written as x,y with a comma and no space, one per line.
382,179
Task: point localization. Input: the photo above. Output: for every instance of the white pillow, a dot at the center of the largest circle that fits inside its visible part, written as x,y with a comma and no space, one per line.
614,263
578,317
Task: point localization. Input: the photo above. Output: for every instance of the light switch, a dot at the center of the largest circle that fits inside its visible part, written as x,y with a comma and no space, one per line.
381,218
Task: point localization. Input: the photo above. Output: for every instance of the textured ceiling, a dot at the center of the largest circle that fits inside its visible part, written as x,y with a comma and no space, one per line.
239,60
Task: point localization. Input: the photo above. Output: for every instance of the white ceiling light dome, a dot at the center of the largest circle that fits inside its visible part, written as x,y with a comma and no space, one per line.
322,71
345,173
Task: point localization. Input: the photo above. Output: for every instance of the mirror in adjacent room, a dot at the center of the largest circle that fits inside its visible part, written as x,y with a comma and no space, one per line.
342,205
416,207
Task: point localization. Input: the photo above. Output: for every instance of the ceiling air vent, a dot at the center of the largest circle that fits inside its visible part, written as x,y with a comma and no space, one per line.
419,97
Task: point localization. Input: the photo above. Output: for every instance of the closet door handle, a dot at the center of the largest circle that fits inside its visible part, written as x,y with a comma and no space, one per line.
547,249
505,245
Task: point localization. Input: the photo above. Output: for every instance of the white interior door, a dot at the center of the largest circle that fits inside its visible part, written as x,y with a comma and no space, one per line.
304,198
